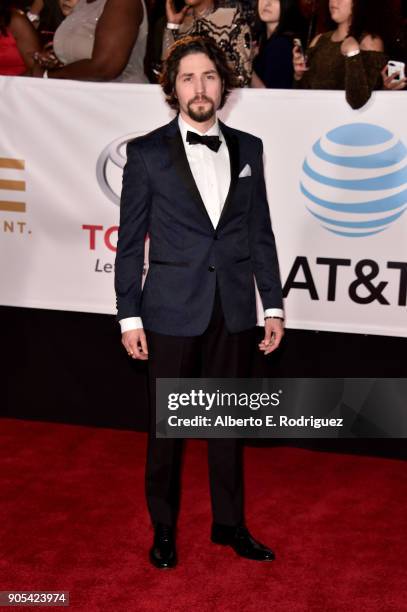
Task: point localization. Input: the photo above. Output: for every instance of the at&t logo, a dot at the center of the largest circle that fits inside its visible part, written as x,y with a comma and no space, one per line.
355,180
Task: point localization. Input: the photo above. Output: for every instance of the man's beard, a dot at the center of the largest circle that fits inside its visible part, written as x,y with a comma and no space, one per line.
201,115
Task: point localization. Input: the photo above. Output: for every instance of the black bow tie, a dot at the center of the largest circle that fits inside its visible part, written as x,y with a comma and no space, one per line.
213,142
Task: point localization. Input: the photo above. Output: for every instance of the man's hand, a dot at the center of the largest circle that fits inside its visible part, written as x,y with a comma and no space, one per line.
135,343
273,333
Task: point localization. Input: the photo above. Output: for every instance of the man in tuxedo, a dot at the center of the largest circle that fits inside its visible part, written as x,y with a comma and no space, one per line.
196,186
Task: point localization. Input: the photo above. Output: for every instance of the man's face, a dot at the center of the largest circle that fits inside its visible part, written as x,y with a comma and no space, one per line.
198,87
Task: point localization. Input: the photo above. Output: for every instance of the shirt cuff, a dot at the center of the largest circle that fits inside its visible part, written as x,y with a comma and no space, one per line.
130,323
274,312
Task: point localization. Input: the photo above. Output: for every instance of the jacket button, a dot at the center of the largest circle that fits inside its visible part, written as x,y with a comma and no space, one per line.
216,237
211,268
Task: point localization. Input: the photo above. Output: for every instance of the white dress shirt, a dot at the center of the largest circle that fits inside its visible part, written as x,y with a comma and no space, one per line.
210,169
211,172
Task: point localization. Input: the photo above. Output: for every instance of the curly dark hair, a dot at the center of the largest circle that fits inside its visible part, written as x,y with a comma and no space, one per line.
375,17
187,46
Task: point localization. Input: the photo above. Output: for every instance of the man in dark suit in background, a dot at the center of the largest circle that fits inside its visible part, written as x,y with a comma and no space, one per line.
197,188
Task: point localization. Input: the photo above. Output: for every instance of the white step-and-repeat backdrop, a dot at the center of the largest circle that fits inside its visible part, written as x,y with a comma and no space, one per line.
336,180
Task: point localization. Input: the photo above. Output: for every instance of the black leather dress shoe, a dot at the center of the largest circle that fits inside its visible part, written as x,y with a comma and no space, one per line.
163,553
241,541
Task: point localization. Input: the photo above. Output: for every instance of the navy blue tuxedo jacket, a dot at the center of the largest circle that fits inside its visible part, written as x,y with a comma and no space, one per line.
187,254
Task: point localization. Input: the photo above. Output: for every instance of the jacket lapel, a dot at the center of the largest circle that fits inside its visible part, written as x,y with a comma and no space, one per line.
234,159
181,165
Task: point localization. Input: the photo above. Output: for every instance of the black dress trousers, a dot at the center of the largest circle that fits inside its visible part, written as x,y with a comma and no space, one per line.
215,354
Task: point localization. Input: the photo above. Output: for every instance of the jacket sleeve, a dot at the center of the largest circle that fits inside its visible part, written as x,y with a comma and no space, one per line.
362,76
134,215
262,242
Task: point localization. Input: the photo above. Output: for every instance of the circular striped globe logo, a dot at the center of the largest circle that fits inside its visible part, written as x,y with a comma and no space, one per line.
355,180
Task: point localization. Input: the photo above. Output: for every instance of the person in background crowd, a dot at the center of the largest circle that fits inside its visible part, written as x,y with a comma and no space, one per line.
398,51
226,26
51,16
18,41
46,16
273,65
100,40
351,56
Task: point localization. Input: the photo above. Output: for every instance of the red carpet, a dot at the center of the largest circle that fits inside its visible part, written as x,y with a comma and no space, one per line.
73,518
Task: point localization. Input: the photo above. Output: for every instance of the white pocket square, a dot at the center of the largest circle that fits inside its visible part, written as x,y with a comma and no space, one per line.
247,171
